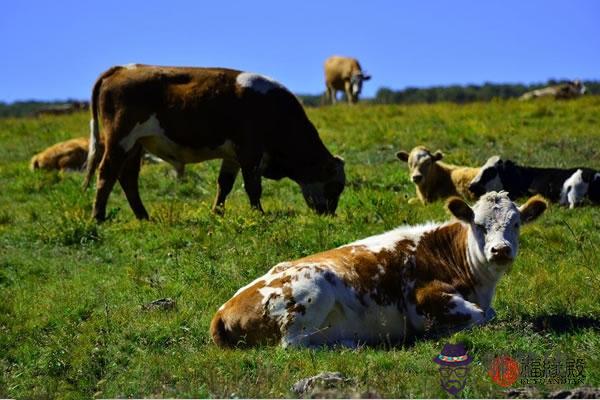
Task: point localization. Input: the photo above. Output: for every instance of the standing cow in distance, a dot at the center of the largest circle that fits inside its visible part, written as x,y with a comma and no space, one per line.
566,186
187,115
569,90
385,288
344,73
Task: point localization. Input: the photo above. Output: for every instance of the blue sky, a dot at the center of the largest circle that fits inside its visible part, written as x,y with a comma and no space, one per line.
56,49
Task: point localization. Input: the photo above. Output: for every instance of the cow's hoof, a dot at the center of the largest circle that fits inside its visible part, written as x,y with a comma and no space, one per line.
218,210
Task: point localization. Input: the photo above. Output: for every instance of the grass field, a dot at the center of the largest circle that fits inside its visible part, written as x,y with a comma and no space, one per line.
71,318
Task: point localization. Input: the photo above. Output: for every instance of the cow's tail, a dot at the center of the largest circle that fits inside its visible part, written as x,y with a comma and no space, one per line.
96,148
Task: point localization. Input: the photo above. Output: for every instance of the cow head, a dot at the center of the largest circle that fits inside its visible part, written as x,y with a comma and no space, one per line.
578,86
356,82
323,196
578,186
488,178
494,223
419,160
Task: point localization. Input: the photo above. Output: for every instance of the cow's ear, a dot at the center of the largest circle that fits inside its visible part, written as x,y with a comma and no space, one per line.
533,208
402,156
460,209
438,155
366,77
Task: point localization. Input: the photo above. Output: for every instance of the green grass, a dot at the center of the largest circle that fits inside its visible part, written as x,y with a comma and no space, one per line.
71,321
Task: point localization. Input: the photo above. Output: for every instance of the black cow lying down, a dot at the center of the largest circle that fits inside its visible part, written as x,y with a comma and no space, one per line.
566,186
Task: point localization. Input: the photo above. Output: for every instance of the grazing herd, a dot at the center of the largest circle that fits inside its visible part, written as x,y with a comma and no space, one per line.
382,289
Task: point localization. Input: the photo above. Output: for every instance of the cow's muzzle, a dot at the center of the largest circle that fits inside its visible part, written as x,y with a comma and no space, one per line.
501,254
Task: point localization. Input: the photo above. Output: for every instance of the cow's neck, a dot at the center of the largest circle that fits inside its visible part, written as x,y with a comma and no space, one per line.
439,181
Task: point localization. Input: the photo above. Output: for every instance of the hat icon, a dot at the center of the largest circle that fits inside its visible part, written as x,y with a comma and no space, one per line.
453,355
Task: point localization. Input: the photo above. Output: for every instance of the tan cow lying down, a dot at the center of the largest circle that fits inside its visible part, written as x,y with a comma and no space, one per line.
567,90
345,74
384,288
64,156
71,155
188,115
434,179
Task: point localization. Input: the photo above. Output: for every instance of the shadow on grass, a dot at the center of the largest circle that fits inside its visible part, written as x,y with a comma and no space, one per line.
561,323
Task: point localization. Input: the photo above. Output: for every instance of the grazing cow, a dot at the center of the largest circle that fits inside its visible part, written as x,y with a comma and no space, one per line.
187,115
569,90
67,155
566,186
385,288
344,73
434,179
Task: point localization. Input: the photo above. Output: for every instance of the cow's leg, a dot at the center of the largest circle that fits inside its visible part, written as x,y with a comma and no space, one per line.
330,95
253,185
348,90
448,309
225,181
129,181
109,170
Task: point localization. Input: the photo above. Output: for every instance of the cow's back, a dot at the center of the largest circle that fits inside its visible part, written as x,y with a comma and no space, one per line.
340,69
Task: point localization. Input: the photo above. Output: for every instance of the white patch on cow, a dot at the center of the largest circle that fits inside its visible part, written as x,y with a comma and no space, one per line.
152,136
388,240
150,127
130,66
258,83
494,184
574,190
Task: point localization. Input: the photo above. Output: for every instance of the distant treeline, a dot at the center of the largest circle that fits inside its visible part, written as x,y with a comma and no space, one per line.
30,108
453,94
410,95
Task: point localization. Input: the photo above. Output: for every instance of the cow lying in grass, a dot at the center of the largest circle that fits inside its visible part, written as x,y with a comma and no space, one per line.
568,90
434,179
188,115
386,287
63,156
71,155
569,187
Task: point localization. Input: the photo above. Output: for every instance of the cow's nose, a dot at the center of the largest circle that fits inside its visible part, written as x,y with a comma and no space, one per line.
417,178
501,253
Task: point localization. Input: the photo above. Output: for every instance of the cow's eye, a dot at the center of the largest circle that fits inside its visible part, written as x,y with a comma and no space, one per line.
517,225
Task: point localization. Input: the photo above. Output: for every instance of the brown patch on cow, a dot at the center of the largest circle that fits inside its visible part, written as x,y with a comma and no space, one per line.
376,275
441,270
434,301
243,321
70,154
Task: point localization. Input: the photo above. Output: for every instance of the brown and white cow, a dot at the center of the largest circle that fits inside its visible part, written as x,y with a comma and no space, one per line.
434,179
569,90
68,155
188,115
345,74
385,288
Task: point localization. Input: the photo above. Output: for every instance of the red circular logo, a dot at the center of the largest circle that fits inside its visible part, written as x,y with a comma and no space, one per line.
504,371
